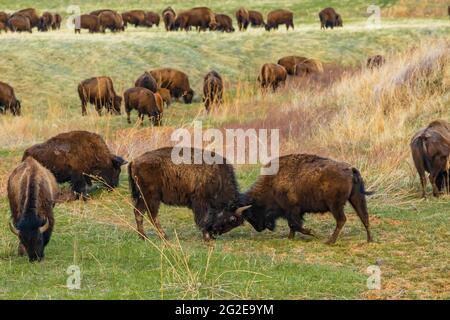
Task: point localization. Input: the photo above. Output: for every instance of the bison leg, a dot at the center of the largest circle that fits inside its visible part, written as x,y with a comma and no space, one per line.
21,251
339,215
79,187
358,202
128,116
153,215
139,216
295,221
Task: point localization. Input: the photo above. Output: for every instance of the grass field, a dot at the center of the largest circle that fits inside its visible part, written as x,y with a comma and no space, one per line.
356,115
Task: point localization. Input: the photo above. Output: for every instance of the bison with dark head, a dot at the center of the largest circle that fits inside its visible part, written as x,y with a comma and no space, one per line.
256,18
212,90
224,23
87,21
100,92
111,20
134,17
31,14
78,157
145,103
177,82
306,184
201,18
329,18
279,17
147,81
45,22
152,18
8,100
57,22
209,190
32,191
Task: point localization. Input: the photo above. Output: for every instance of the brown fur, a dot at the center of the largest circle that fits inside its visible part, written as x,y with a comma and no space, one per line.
97,12
46,21
306,184
31,14
152,18
224,23
8,100
99,91
4,17
242,18
3,27
19,23
272,75
165,95
430,148
256,18
134,17
177,82
212,89
87,21
375,61
111,20
147,81
329,18
308,67
201,18
290,63
279,17
32,191
144,101
211,191
75,157
169,15
57,22
159,103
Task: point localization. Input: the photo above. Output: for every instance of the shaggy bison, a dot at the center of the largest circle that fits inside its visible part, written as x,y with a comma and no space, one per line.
430,148
212,89
8,100
306,184
31,14
272,75
19,23
32,191
152,18
375,61
256,18
169,15
279,17
242,18
201,18
87,21
46,21
111,20
100,92
147,81
177,82
224,23
209,190
145,103
134,17
78,157
290,63
329,18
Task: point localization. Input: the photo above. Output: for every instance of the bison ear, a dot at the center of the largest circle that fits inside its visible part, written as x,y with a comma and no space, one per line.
118,161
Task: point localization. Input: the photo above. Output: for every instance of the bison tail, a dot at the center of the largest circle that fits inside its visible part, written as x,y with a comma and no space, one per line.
420,159
135,194
359,183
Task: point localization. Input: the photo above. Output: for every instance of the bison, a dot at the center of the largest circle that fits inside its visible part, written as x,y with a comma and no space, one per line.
201,18
224,23
147,81
45,22
87,21
145,102
177,82
306,184
98,12
19,23
212,90
209,190
57,22
256,18
152,18
32,191
290,63
279,17
169,15
375,61
430,148
308,67
78,157
99,91
165,95
31,14
272,75
111,20
8,100
4,17
242,18
329,18
134,17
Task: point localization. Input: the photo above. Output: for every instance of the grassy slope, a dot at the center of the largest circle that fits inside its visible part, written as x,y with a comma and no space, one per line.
411,240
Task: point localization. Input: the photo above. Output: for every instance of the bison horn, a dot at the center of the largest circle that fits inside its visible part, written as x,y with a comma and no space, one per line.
44,227
240,211
13,228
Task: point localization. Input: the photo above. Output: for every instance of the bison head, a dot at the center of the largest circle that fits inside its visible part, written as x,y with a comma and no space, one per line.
117,104
32,235
111,172
225,220
188,96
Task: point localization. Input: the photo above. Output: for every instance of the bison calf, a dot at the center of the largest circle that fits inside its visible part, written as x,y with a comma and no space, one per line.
272,75
100,92
306,184
212,90
8,100
145,102
32,191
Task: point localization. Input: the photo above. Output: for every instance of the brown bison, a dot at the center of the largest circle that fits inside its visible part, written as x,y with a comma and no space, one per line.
329,18
19,23
31,14
430,148
147,81
111,20
78,157
4,17
279,17
100,92
201,18
97,12
272,75
177,82
307,67
290,63
57,22
45,22
87,21
212,89
224,23
8,100
375,61
165,95
134,17
32,191
145,103
306,184
152,18
242,18
169,15
209,190
256,18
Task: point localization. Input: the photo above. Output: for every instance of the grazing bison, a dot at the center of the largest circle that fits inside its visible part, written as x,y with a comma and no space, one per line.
212,89
430,148
242,18
375,61
111,20
329,18
134,17
31,14
145,103
279,17
306,184
19,23
307,67
209,190
8,100
201,18
224,23
152,18
100,92
45,22
177,82
32,192
147,81
272,75
256,18
87,21
290,63
78,157
57,22
4,17
169,19
165,95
